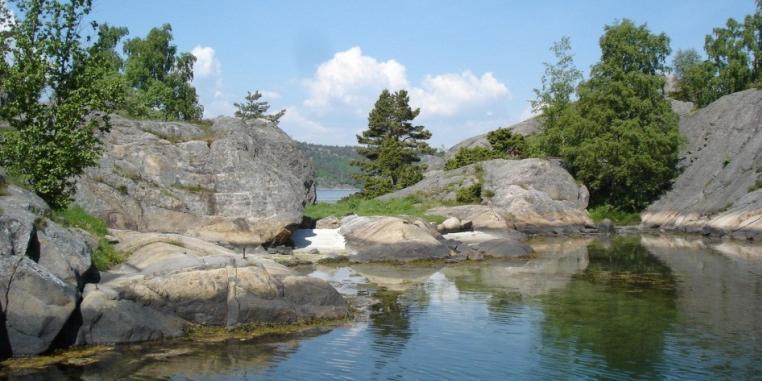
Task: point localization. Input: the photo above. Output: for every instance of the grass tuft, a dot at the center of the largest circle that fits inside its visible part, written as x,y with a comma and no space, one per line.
601,212
407,206
74,216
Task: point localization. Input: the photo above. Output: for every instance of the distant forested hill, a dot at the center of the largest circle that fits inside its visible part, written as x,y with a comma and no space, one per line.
332,165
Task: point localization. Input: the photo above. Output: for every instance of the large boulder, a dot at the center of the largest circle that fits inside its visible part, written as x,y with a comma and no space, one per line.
721,166
43,266
376,239
170,281
35,304
530,195
236,182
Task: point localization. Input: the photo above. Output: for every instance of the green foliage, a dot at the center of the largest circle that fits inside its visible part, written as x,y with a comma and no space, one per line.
601,212
392,146
467,156
332,165
734,61
408,206
160,78
253,108
470,195
554,97
56,96
76,217
504,144
621,138
508,143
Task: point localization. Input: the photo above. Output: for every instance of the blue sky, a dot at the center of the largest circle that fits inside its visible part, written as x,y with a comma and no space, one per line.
470,65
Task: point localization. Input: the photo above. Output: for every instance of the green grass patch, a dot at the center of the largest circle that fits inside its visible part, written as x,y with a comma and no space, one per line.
407,206
601,212
74,216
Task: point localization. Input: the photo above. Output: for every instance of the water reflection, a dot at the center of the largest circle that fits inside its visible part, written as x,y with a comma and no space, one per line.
629,308
617,310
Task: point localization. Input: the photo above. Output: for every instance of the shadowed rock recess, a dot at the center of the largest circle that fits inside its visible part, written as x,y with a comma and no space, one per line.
719,191
234,182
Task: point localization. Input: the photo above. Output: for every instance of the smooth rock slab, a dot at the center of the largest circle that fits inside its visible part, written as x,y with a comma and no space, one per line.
373,239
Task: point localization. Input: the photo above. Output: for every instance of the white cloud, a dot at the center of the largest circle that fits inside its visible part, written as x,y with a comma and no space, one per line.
353,79
448,94
208,80
207,63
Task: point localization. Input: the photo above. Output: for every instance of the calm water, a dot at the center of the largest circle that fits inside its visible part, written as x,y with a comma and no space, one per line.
637,308
332,195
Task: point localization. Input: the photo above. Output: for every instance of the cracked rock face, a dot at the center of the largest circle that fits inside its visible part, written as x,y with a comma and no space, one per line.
530,195
43,266
721,167
35,304
170,281
241,183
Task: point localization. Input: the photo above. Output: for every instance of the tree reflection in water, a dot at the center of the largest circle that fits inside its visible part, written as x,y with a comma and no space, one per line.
618,310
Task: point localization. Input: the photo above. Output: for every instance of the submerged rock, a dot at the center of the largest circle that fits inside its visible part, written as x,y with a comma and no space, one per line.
241,183
721,168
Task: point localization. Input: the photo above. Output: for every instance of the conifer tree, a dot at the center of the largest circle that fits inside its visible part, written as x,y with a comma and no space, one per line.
392,146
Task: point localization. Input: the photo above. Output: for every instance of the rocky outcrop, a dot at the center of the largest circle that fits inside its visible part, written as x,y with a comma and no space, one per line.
43,267
719,190
375,239
240,183
530,195
35,304
525,128
170,281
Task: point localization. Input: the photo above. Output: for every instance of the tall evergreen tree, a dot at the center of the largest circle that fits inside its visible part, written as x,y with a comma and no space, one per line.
392,146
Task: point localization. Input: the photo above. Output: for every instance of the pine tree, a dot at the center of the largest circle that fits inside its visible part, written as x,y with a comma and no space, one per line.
392,146
254,108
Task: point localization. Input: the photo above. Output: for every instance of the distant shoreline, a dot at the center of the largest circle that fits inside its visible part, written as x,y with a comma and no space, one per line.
337,189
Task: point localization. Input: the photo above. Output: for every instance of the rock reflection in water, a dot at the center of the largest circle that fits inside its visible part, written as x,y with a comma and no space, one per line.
628,308
617,311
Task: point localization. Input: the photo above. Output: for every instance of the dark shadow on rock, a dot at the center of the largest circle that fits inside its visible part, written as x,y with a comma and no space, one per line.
67,337
5,343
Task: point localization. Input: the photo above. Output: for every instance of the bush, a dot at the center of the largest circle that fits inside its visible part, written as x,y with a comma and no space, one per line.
76,217
470,195
601,212
468,156
507,143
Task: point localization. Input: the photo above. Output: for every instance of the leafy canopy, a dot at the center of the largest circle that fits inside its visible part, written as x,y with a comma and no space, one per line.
621,138
55,95
554,97
392,146
160,78
734,62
